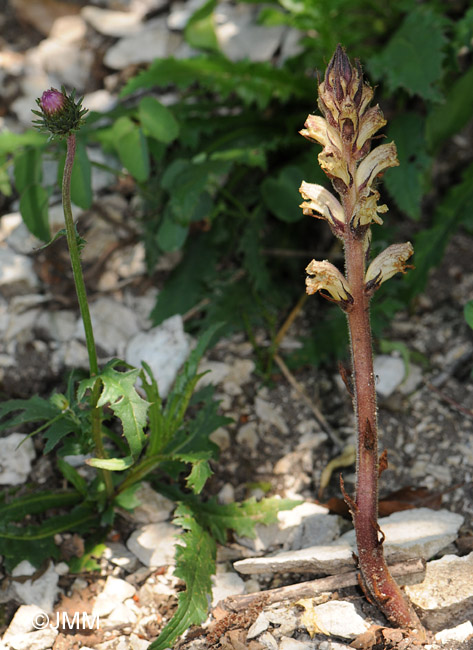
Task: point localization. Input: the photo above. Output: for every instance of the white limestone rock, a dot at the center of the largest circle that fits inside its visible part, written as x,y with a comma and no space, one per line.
461,633
64,62
164,348
145,45
334,618
154,544
286,643
17,274
24,620
389,372
269,415
15,461
42,591
114,325
118,554
226,584
37,640
154,507
112,23
445,597
420,532
259,626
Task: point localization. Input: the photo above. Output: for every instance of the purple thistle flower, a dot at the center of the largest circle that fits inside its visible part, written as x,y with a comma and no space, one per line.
52,101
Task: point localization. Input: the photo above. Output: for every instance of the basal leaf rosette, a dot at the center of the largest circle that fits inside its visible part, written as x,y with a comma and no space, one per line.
325,277
391,261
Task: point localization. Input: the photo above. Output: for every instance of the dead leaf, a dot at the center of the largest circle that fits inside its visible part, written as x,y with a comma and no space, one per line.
369,639
346,458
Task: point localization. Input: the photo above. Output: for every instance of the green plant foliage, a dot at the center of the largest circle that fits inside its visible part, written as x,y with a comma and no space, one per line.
34,210
468,312
413,57
406,183
200,30
119,392
81,181
195,564
132,148
449,117
157,120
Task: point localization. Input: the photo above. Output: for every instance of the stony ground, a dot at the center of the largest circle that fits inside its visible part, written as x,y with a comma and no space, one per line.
275,445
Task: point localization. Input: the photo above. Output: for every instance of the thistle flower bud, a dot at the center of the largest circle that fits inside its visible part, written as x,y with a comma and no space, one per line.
59,114
324,276
391,261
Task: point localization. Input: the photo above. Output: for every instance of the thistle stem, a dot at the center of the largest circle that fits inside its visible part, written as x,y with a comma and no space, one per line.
96,412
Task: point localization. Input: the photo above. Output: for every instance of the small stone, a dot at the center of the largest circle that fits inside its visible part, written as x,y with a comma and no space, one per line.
154,507
23,621
247,435
226,494
164,348
143,46
65,62
286,643
119,589
41,591
446,594
16,273
112,23
259,626
119,555
337,618
268,414
268,641
16,455
389,372
154,544
226,584
114,325
138,644
461,632
70,29
38,640
412,381
221,438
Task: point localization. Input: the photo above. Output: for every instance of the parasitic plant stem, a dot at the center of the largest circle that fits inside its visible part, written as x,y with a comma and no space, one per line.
345,132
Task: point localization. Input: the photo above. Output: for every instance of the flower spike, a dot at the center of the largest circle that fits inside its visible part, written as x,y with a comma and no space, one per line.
391,261
324,276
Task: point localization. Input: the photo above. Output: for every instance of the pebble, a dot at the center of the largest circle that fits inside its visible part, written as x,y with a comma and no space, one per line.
23,620
145,45
259,626
119,555
337,618
418,532
389,372
16,273
112,23
153,508
37,640
154,544
286,643
164,348
41,591
446,594
15,460
269,415
461,632
226,584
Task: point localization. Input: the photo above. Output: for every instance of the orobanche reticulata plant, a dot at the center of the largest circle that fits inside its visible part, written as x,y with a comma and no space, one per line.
345,132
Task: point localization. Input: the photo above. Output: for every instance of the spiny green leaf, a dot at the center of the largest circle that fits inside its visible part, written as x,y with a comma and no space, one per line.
413,57
406,183
81,178
118,390
112,464
73,476
36,503
254,83
195,564
34,409
200,471
27,168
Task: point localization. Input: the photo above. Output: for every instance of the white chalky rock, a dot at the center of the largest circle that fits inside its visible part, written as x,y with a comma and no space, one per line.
259,626
38,640
268,415
337,617
226,584
16,273
286,643
461,633
389,372
154,544
114,325
164,348
153,506
41,591
112,23
23,621
143,46
445,597
15,461
420,532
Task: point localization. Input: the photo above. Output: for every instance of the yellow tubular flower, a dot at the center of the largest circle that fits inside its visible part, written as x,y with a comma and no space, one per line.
391,261
324,276
322,204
